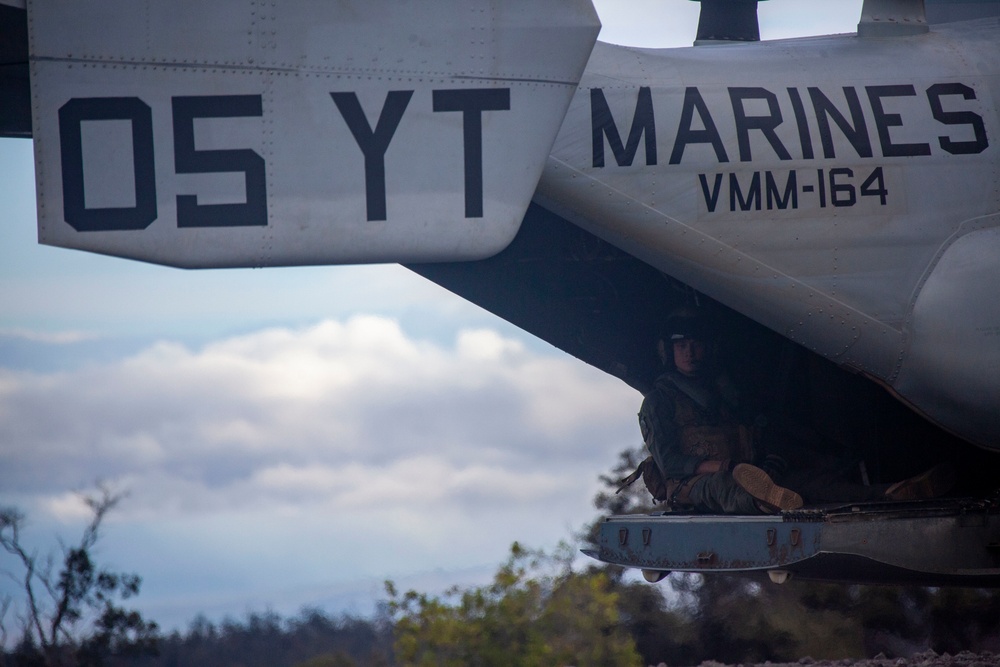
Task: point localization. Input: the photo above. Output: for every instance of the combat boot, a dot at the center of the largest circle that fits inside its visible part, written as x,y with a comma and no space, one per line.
770,497
930,484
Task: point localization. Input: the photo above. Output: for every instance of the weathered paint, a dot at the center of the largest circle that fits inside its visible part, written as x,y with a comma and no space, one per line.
931,542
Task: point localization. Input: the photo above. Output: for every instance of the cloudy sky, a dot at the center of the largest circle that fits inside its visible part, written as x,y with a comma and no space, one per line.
293,437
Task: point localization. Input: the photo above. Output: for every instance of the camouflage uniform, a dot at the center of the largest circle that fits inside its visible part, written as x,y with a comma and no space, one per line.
685,421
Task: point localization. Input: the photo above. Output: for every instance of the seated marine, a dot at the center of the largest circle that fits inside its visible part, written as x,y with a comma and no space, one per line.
702,445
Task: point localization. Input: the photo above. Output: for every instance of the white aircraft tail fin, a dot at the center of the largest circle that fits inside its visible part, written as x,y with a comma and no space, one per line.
235,133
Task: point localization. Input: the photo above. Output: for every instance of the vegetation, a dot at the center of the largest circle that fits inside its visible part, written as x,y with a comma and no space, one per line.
538,610
72,617
746,618
311,639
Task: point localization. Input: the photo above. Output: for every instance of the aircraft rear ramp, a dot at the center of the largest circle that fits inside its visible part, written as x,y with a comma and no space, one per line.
933,543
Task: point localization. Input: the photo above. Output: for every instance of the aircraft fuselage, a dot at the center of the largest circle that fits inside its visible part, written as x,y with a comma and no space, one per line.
840,190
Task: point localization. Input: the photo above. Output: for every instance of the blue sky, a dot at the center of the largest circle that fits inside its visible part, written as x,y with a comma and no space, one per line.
293,437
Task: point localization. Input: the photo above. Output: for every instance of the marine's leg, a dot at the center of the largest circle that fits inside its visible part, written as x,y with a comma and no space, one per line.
718,493
932,483
827,486
770,496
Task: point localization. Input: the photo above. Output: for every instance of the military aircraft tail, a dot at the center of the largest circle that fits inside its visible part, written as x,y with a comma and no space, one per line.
252,134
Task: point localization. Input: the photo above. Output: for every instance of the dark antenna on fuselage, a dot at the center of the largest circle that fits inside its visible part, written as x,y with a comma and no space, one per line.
727,21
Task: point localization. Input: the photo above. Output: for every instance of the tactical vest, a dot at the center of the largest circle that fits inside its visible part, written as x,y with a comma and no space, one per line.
706,431
715,439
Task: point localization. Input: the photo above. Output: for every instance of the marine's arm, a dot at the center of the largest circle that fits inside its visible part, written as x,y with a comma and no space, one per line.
662,438
712,465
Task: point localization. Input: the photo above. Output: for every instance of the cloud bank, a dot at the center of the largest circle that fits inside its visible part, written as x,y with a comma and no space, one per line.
347,448
339,413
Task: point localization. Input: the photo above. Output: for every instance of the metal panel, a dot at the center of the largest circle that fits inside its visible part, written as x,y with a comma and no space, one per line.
446,112
706,543
953,542
809,184
15,96
952,362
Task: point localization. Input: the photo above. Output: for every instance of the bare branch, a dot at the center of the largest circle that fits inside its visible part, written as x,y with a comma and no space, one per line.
66,608
5,603
101,504
11,520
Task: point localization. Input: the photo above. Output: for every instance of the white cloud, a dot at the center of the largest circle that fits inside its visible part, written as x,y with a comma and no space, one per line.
487,346
67,507
314,457
264,466
340,415
49,337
